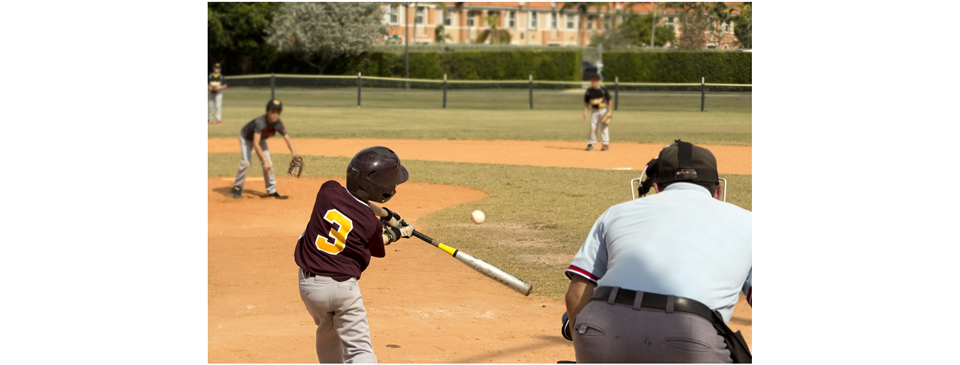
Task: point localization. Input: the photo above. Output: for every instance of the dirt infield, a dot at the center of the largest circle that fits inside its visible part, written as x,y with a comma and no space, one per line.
730,159
423,306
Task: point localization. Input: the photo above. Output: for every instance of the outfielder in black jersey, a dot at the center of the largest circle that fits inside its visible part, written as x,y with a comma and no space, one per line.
215,86
596,102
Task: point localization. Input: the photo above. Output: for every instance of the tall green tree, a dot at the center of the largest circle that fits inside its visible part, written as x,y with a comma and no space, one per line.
318,33
718,14
634,32
235,33
695,22
743,25
493,32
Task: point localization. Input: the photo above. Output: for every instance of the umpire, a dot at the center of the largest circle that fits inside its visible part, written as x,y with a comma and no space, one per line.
657,278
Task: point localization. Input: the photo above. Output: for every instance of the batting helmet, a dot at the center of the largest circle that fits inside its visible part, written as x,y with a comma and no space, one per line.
374,174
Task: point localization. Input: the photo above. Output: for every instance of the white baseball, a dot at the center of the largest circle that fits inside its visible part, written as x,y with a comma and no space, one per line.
477,217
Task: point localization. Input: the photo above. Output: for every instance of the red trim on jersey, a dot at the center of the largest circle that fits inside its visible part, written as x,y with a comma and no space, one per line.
749,294
584,273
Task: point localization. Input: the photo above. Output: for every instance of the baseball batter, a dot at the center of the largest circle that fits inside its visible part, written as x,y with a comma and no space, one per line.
253,137
596,102
335,248
215,86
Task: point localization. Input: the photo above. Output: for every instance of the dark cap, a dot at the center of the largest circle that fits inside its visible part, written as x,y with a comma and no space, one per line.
682,161
374,173
274,104
216,65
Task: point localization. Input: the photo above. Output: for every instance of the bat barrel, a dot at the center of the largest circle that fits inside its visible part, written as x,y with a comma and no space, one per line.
495,273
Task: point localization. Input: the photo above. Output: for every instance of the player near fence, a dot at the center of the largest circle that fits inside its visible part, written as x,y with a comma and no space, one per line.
215,86
596,103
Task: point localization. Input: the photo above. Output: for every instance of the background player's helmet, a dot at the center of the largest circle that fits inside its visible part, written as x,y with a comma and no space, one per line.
374,174
274,104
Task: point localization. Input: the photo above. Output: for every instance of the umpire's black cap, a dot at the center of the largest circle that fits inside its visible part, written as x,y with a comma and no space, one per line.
682,161
274,104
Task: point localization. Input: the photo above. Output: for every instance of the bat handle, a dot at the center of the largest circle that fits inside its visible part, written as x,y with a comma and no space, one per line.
424,237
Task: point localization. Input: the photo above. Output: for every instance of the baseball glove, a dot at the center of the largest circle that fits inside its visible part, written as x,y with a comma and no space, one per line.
607,118
296,166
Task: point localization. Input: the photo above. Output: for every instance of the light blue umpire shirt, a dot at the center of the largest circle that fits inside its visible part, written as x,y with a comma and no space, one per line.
680,242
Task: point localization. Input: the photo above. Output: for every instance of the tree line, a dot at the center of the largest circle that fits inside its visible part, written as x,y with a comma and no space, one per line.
257,37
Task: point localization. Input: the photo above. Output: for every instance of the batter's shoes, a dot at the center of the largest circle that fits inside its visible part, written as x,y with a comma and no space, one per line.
605,147
235,192
218,121
589,147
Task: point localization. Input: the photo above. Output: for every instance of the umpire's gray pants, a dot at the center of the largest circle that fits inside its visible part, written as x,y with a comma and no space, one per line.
619,333
246,152
216,100
595,124
343,334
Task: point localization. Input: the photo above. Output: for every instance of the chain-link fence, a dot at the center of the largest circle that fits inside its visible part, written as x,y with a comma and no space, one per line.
385,92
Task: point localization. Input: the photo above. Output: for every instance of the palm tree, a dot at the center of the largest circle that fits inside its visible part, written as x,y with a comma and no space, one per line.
494,33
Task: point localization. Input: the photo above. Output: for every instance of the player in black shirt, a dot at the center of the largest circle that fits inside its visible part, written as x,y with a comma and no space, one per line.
597,99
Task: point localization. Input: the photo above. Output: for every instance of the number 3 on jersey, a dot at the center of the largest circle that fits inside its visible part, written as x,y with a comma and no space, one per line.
336,239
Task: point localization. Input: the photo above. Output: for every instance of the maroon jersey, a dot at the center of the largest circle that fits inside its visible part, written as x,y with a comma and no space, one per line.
341,236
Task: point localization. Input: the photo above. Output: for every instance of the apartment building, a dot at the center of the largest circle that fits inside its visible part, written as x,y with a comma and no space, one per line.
529,23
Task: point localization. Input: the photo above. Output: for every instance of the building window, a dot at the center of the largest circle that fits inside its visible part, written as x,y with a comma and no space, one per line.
670,22
553,20
511,19
532,20
449,18
589,21
418,18
392,16
568,19
470,15
607,22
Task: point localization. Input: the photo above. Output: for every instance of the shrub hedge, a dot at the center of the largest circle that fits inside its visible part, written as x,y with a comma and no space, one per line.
560,65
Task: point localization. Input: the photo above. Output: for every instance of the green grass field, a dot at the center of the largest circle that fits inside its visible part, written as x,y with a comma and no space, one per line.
537,217
653,118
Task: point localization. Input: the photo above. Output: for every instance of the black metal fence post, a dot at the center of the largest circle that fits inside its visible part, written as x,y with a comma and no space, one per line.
616,92
531,92
273,94
703,92
359,87
444,91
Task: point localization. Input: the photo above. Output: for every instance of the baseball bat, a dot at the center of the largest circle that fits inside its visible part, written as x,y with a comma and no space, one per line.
479,265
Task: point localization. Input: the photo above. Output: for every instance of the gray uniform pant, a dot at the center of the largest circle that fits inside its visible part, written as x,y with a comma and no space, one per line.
619,333
246,155
595,124
215,100
343,334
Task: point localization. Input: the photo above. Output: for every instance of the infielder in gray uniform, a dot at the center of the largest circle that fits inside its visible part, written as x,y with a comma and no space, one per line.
657,278
253,137
215,86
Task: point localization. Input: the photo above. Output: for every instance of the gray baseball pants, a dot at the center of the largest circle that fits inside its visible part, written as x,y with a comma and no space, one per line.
216,99
595,124
246,155
608,332
343,334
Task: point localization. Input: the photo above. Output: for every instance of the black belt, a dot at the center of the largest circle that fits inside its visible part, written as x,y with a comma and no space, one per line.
655,301
307,274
